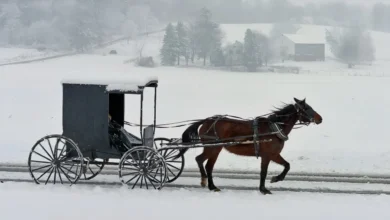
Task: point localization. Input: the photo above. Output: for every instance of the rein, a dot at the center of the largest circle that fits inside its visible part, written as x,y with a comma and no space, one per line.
187,122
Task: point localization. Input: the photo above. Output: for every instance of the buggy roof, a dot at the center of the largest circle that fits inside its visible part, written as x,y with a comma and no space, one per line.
115,84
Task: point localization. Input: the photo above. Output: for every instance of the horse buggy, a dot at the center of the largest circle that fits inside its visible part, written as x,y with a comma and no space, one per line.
94,136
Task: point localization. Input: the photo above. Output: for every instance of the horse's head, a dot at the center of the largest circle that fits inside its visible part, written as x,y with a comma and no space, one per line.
306,112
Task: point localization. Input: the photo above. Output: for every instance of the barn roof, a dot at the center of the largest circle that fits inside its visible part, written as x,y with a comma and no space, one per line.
304,39
114,83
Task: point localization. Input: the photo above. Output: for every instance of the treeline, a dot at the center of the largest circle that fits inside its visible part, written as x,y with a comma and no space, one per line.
70,24
333,13
202,40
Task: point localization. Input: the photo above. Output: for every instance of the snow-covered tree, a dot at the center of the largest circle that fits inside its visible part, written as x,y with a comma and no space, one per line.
250,59
234,53
183,42
169,49
207,34
351,45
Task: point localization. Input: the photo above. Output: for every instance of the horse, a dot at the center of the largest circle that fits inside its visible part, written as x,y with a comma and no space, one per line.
275,128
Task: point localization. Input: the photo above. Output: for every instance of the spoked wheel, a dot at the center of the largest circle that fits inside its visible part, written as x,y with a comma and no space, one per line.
174,166
93,168
55,159
144,167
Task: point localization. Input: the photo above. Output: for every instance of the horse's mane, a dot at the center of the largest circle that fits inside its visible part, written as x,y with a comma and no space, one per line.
281,112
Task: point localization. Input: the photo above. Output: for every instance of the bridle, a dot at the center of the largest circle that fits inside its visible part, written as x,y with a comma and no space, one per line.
302,113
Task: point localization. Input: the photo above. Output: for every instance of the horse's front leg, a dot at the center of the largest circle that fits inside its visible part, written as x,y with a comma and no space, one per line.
281,161
263,175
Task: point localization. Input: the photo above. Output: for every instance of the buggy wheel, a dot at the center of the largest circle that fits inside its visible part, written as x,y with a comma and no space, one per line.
57,159
174,166
93,168
144,167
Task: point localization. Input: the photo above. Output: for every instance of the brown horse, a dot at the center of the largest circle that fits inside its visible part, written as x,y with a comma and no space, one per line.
275,128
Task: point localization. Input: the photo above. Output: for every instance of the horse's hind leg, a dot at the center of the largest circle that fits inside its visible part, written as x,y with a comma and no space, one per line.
213,154
200,160
281,161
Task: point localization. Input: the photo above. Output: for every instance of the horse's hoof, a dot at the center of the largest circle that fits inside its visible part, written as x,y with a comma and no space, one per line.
265,191
203,182
215,190
274,179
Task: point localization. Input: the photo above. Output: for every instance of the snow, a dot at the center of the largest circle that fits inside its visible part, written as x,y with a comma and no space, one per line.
304,39
120,82
97,202
8,55
122,87
351,139
224,183
334,146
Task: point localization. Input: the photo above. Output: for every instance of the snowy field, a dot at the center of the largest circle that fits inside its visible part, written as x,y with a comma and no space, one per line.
352,137
34,104
49,202
9,55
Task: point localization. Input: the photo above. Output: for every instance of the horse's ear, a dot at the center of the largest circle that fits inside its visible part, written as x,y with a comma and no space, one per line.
296,100
304,101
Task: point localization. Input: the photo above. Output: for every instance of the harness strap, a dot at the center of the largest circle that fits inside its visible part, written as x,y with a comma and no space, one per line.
256,137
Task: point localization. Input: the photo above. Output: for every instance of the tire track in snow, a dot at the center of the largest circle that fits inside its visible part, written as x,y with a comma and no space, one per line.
251,175
224,188
193,175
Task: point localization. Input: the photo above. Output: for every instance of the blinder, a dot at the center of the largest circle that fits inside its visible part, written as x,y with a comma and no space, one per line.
302,112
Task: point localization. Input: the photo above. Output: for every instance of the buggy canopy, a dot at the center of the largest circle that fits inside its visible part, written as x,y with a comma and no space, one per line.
115,83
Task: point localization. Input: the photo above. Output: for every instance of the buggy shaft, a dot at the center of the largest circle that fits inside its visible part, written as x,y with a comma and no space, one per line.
198,145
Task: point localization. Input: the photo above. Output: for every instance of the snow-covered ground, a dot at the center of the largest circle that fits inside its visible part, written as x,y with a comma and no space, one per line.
352,137
49,202
9,55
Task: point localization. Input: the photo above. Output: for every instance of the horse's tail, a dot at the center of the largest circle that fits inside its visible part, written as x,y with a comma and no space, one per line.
189,135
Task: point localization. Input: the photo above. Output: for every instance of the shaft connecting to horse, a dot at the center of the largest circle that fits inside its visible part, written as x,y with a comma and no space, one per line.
218,144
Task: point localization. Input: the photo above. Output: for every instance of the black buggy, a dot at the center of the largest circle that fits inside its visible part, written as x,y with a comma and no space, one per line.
93,136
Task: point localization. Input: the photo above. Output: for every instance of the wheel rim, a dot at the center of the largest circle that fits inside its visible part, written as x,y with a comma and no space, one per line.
174,166
143,167
55,159
92,169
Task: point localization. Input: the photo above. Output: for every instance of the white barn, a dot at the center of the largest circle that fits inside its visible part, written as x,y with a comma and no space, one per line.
301,48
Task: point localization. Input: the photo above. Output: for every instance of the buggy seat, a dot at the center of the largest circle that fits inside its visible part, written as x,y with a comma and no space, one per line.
121,139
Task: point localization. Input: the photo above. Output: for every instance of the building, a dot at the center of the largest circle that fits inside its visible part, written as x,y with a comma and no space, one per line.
302,48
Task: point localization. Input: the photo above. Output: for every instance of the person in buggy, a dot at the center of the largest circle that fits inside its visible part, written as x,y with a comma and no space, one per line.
119,137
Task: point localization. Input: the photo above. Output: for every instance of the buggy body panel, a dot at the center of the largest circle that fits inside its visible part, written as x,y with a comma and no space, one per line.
86,107
85,119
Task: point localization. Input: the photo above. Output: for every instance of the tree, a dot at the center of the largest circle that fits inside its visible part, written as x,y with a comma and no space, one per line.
183,42
217,57
84,30
233,53
256,49
250,51
169,49
352,45
264,52
206,35
193,47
